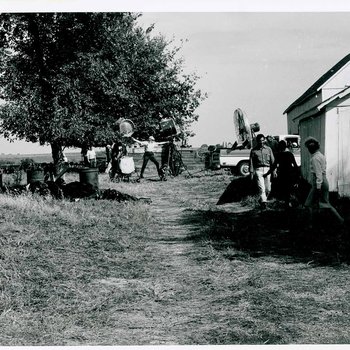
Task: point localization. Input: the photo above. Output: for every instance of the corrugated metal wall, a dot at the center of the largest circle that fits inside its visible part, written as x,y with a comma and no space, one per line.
314,127
332,147
344,152
299,110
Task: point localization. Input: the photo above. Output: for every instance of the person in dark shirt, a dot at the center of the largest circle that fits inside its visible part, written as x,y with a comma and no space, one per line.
287,172
272,143
118,150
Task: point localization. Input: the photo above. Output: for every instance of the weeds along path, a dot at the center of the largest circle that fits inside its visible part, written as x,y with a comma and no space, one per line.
185,272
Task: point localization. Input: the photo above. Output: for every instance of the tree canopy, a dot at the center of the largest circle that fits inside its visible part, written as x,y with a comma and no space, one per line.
66,78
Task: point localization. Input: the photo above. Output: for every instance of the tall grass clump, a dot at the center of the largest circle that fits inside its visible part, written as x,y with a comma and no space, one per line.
51,252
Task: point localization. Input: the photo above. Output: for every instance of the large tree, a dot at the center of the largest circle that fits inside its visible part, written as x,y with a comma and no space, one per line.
66,78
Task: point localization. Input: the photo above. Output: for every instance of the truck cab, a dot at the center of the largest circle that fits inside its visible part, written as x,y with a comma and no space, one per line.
237,160
293,144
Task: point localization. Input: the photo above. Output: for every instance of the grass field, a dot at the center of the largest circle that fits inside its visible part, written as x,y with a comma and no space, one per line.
180,270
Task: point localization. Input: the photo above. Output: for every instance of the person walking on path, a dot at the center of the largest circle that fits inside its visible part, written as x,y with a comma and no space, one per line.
287,173
261,160
319,193
149,146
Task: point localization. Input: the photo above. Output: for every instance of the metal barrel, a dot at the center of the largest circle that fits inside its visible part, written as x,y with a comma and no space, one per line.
35,176
89,176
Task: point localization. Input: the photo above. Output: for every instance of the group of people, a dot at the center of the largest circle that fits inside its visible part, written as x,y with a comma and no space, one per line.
277,162
118,150
271,160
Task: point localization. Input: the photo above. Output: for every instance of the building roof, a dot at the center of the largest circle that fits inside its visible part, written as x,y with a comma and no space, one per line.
315,87
345,93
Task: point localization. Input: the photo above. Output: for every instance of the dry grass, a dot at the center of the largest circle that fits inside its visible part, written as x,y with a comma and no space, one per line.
178,271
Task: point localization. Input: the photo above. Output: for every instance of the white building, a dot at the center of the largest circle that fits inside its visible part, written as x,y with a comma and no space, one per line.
323,111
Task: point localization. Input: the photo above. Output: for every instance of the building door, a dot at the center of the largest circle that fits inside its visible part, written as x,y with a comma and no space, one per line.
314,127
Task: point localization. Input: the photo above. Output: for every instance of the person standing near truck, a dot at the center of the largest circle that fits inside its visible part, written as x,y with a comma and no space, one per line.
272,143
261,160
287,173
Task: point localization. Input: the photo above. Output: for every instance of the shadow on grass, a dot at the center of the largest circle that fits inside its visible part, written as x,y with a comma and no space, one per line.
272,233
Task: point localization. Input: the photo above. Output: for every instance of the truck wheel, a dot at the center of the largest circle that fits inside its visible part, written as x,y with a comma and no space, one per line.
243,168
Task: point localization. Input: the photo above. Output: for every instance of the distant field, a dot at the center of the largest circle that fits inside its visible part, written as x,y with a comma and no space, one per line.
190,157
39,158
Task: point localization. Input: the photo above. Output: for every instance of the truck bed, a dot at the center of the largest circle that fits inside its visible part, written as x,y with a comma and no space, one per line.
230,157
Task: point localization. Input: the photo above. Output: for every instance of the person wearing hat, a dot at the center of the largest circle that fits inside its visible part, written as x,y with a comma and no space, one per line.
318,196
149,146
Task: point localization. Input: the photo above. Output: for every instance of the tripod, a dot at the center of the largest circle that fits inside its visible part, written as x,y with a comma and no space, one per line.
172,162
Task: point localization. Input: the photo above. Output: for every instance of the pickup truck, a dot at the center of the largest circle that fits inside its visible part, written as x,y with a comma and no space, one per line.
237,160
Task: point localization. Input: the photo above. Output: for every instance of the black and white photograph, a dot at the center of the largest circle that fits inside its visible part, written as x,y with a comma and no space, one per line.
174,174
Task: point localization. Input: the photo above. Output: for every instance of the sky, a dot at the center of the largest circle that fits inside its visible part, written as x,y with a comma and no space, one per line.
259,62
257,58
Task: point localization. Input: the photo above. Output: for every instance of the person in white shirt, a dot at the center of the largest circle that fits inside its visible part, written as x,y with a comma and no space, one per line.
91,157
319,194
149,146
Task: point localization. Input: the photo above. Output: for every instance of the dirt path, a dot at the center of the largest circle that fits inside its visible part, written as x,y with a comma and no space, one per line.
183,275
202,297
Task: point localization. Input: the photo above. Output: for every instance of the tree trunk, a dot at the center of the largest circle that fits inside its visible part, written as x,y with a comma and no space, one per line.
56,151
57,156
